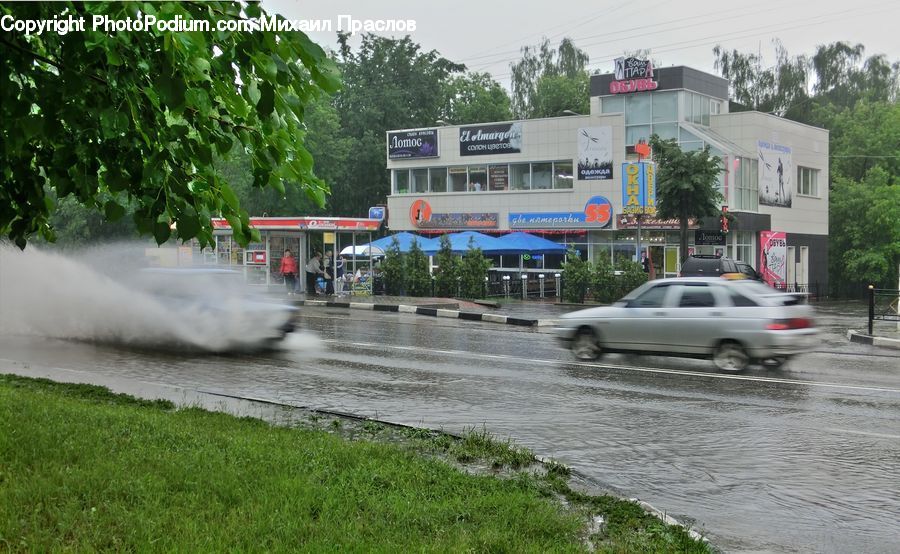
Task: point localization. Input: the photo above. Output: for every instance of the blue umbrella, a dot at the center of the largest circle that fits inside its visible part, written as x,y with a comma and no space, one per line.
405,240
460,244
524,242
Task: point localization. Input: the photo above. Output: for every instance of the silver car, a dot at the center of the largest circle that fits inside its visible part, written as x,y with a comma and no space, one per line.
734,322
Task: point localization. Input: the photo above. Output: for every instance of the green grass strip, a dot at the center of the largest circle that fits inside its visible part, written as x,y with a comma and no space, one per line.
82,469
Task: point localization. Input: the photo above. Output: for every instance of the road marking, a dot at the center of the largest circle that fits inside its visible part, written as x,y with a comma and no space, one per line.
637,369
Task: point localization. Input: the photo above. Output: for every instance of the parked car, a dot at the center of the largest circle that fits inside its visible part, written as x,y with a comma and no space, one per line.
214,309
701,265
733,322
748,271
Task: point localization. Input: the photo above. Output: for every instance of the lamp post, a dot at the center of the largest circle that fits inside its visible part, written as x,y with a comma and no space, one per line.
506,285
541,281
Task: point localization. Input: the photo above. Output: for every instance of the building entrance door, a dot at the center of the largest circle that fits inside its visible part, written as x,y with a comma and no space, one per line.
673,264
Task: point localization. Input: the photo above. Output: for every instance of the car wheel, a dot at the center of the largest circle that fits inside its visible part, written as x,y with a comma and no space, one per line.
775,363
585,346
730,356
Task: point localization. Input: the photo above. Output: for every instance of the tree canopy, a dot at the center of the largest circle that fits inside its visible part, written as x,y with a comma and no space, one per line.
686,184
122,118
547,81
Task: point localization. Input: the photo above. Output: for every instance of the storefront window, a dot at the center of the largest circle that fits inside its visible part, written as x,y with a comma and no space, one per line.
438,177
613,104
477,178
637,109
401,181
419,180
542,175
743,247
562,174
520,176
665,107
458,179
498,177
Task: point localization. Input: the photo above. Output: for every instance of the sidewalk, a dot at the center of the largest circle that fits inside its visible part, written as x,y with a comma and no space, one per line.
528,313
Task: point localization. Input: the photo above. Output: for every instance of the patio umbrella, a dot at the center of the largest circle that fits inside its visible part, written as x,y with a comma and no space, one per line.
525,242
459,243
405,240
362,250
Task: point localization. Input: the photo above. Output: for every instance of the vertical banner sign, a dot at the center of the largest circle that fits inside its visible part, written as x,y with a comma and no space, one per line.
773,257
638,188
595,159
776,170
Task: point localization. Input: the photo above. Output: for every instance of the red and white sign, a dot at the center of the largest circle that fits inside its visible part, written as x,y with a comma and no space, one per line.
310,223
632,75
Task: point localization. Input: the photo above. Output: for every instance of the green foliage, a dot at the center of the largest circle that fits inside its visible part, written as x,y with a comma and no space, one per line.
578,275
473,272
418,279
686,184
392,271
545,80
388,84
446,275
475,98
632,277
605,284
863,137
864,238
113,119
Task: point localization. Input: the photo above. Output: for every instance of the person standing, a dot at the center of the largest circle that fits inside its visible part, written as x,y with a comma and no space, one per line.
313,270
328,266
289,271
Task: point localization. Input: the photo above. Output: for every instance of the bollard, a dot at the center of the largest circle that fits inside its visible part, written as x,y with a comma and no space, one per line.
506,285
541,281
558,287
524,286
486,289
459,287
871,307
432,286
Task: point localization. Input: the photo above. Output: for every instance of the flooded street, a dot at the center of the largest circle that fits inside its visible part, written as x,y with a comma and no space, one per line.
804,459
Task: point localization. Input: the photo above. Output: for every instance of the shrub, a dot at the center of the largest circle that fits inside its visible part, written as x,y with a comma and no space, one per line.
632,278
392,270
447,273
605,286
417,278
578,275
473,271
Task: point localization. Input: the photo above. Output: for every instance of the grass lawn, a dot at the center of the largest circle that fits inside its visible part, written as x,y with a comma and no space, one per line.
84,469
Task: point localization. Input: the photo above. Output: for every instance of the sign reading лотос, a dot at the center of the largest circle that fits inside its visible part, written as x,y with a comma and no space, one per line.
422,143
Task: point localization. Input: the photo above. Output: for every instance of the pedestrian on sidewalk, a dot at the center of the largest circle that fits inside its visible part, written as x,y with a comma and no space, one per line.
313,271
289,271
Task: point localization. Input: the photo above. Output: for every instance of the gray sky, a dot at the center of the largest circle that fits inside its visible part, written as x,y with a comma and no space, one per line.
486,35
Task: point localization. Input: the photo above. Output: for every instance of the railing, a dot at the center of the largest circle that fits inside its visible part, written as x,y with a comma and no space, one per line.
884,305
811,289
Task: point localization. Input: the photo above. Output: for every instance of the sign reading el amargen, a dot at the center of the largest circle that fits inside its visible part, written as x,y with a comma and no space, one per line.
481,140
597,214
639,188
413,144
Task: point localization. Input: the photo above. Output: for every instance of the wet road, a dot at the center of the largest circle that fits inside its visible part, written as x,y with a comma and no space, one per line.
805,459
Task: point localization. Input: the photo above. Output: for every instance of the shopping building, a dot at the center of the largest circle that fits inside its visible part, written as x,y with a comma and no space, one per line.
562,177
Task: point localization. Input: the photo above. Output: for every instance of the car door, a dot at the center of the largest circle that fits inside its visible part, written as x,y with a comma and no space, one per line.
693,320
640,320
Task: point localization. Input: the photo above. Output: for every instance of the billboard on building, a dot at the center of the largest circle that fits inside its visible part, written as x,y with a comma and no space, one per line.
597,214
422,216
776,171
483,140
413,144
773,257
595,159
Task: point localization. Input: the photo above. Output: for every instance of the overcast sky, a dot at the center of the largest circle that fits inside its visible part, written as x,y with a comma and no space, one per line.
487,35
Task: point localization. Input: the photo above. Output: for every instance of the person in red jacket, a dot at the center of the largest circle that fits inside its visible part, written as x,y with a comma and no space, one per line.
289,271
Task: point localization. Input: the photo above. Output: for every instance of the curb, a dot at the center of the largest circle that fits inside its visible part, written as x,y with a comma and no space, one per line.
884,342
433,312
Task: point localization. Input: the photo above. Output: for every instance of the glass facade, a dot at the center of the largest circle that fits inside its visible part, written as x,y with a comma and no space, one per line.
557,175
746,184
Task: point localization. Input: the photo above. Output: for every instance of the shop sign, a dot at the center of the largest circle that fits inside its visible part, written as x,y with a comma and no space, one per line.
376,212
704,237
775,174
413,144
597,214
631,222
773,257
480,140
595,159
632,75
498,177
421,215
293,223
639,188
